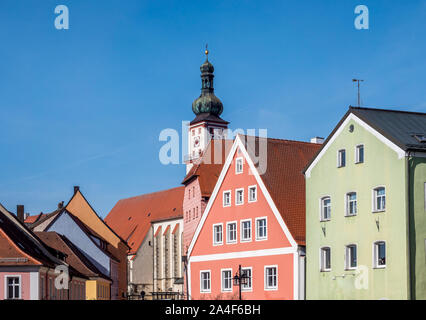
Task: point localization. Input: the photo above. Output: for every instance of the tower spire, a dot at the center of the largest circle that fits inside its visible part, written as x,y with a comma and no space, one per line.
207,102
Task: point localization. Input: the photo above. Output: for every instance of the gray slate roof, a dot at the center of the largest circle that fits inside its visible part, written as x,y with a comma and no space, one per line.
398,126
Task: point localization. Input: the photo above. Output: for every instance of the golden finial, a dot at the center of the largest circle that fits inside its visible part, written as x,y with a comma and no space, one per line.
207,51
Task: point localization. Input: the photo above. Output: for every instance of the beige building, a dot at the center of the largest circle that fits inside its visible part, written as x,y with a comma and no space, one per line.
152,225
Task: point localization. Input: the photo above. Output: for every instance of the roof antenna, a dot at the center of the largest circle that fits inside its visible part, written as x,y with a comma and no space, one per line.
359,95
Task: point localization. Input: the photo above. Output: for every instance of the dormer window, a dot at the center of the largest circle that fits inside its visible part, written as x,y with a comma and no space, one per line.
420,138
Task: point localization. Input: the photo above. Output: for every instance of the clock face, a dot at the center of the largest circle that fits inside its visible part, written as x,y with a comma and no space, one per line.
196,141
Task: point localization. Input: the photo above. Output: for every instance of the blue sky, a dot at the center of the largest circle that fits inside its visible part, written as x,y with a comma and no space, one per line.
85,106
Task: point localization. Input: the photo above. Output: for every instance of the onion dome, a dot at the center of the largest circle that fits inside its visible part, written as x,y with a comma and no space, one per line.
207,102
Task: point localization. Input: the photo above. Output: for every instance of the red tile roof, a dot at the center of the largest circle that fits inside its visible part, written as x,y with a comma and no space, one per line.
131,218
209,166
285,181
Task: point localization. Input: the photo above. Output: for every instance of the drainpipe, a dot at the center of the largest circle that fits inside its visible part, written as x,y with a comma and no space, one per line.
411,294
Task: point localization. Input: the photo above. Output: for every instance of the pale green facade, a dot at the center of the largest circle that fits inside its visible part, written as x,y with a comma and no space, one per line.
384,166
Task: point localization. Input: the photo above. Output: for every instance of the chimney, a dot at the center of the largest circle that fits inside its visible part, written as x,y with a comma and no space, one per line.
76,188
317,140
61,204
20,212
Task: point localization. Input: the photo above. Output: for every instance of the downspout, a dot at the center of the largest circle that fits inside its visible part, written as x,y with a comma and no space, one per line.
409,228
153,260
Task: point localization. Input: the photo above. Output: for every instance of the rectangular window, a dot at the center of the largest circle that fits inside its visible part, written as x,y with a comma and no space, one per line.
325,209
227,280
245,230
359,156
205,281
239,165
227,198
380,254
231,234
341,158
271,278
325,259
261,229
247,282
217,234
239,196
379,199
13,289
351,204
351,257
252,191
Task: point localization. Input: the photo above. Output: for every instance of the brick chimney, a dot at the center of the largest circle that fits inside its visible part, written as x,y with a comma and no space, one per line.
20,212
76,188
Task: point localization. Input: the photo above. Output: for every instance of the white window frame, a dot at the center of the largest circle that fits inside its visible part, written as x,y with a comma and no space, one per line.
339,159
242,239
236,197
357,147
256,230
376,254
348,256
239,160
249,193
236,232
322,261
250,288
374,200
230,198
222,280
347,204
321,212
201,281
267,288
214,234
6,286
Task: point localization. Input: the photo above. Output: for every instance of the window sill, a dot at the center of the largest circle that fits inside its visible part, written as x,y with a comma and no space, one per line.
360,162
261,239
325,220
350,215
271,289
329,270
378,211
379,267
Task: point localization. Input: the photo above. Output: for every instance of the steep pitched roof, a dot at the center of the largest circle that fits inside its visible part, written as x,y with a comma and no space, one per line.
86,229
75,258
25,240
81,208
132,217
208,168
400,127
284,179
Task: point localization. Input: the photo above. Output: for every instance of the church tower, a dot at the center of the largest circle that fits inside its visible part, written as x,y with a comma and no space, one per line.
207,124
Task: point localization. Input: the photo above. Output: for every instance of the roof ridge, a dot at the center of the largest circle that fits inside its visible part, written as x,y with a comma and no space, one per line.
387,110
151,193
283,140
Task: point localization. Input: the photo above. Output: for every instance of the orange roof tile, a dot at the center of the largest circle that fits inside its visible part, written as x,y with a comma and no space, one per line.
131,218
285,181
209,166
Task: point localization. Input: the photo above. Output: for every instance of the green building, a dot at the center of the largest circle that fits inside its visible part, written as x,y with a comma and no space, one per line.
366,208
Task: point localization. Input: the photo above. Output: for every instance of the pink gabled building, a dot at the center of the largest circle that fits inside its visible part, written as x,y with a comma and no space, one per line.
255,219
